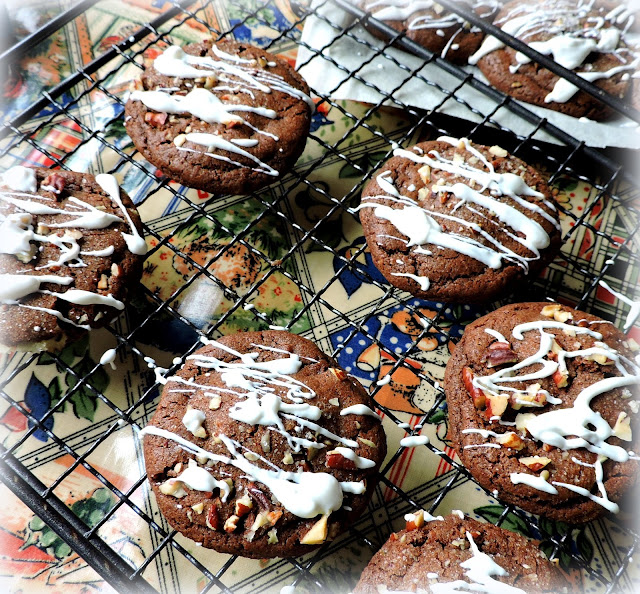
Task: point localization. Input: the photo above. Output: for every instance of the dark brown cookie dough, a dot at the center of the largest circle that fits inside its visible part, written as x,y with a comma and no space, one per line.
61,224
530,431
420,176
553,19
254,149
435,552
433,27
255,521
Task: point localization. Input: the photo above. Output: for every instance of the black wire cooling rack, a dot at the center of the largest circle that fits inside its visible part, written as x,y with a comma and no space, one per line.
572,276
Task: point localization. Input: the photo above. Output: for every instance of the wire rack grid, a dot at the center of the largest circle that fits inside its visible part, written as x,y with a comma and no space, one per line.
600,238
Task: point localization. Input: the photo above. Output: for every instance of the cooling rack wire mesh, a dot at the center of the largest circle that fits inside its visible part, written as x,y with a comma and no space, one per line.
292,256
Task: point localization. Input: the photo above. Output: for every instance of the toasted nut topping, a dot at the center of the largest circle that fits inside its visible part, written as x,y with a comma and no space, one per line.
622,428
561,378
510,440
213,518
499,353
178,467
496,405
338,461
367,442
522,419
423,194
339,374
251,456
317,534
288,458
425,173
262,61
535,463
549,310
334,402
498,151
215,402
516,85
477,395
210,82
243,506
231,524
562,316
180,139
103,283
115,270
265,442
198,507
415,521
272,536
545,474
173,488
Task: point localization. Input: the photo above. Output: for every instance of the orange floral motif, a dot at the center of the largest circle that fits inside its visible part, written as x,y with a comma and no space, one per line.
398,391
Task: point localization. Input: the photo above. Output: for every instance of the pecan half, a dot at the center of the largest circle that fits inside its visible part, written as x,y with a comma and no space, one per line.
55,180
477,395
339,462
499,353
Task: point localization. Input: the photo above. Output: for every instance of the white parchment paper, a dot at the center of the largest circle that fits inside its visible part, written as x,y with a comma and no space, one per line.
414,84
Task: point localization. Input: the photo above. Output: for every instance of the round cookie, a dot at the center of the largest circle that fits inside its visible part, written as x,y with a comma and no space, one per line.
460,553
428,24
584,37
559,441
222,117
452,221
71,247
262,447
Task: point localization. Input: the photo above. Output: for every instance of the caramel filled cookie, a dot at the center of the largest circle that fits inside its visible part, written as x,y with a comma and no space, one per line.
222,117
543,409
458,554
452,221
71,247
262,447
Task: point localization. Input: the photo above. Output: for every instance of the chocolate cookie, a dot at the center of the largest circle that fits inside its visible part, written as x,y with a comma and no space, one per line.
262,447
457,222
71,247
459,554
427,23
543,410
585,37
222,117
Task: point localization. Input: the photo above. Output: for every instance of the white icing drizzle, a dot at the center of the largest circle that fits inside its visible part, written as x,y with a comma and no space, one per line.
533,481
413,441
420,226
80,297
253,383
192,420
573,37
359,461
359,409
212,141
408,10
17,286
243,75
495,334
577,426
135,242
108,358
20,179
480,569
634,312
199,479
304,494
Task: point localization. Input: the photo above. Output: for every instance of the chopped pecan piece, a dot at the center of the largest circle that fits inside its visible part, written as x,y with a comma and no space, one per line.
56,181
477,395
339,374
511,440
561,378
231,523
317,534
535,463
213,517
499,353
339,462
155,119
415,521
496,405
